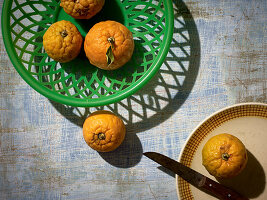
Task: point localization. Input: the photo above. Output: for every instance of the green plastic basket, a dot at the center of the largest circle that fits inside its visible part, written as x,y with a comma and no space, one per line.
78,83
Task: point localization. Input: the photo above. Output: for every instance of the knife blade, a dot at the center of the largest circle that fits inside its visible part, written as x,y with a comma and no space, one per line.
195,178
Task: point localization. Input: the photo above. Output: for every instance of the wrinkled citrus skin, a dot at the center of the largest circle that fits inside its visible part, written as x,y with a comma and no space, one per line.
96,44
107,123
216,148
62,41
82,9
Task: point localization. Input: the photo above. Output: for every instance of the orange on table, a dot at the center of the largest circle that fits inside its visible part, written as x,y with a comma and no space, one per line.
224,156
103,131
82,9
109,45
62,41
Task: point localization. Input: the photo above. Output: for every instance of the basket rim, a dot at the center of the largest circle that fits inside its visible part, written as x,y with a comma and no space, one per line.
86,102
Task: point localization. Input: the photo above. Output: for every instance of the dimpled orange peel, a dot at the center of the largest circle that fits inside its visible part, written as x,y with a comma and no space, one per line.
224,156
62,41
109,45
82,9
103,131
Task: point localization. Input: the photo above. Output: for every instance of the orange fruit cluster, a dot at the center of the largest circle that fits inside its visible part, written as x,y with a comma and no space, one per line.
108,45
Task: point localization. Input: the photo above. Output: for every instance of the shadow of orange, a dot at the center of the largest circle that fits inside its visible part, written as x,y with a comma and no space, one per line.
251,181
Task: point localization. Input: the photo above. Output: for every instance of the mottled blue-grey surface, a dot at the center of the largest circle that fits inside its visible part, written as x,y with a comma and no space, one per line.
217,58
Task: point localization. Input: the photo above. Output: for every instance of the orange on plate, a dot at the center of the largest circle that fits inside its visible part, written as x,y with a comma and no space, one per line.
103,131
224,156
109,45
82,9
62,41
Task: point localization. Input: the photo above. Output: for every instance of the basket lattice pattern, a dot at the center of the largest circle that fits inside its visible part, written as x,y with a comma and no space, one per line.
79,79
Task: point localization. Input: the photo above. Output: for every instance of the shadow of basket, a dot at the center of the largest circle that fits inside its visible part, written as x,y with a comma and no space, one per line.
159,99
166,91
150,106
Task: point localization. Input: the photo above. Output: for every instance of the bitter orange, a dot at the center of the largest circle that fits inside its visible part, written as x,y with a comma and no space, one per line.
103,131
109,45
62,41
224,156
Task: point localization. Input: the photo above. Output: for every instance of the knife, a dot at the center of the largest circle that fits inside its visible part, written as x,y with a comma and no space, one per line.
195,178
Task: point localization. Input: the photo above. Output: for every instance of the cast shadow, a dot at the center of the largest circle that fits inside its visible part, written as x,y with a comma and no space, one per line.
251,181
159,99
128,154
159,95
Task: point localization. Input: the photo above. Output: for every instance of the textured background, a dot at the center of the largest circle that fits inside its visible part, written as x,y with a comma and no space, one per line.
217,58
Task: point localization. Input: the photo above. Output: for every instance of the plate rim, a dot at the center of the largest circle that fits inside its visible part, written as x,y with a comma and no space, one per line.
202,122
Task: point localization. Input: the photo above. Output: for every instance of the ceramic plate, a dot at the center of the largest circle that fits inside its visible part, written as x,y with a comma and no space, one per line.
246,121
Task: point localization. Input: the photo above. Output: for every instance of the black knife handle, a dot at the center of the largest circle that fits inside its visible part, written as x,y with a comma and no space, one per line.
221,191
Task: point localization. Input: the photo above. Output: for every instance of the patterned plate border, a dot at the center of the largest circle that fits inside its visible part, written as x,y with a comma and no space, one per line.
204,128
